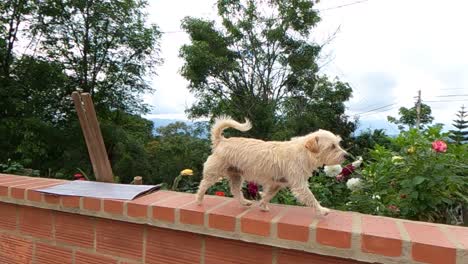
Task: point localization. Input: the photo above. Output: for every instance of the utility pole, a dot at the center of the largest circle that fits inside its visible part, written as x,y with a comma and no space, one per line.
418,110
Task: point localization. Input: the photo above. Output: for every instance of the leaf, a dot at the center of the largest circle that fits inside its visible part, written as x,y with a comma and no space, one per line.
418,180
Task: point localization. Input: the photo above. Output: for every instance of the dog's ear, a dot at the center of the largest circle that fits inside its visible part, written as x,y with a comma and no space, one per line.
312,144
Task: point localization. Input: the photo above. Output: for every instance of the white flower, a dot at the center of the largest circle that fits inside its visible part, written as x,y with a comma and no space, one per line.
354,184
376,197
357,163
397,159
332,171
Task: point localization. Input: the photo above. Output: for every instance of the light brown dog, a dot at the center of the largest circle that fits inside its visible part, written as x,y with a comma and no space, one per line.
272,164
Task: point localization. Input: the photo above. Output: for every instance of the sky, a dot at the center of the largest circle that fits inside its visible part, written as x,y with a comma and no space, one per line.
386,50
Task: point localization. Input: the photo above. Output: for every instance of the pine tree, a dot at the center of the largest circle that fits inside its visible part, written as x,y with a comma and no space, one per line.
460,135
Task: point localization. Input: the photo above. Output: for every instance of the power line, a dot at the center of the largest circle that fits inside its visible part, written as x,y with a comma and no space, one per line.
452,95
375,109
379,112
345,5
446,101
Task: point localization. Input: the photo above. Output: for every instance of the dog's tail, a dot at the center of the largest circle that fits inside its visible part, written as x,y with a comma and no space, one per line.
224,122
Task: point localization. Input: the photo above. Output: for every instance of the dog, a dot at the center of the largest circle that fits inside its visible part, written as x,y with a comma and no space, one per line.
272,164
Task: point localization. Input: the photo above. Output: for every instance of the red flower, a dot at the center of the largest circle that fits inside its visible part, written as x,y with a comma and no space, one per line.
220,194
79,177
439,146
345,173
252,189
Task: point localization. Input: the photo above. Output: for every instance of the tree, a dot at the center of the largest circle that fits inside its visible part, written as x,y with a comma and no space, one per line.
106,47
460,136
260,64
408,117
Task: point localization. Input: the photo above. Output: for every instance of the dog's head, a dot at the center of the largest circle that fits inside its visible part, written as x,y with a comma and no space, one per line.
325,146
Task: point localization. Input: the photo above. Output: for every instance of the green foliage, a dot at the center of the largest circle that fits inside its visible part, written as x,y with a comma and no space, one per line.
408,117
177,147
421,184
261,65
460,136
366,141
114,48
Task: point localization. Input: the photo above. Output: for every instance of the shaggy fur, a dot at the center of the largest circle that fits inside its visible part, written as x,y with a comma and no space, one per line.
272,164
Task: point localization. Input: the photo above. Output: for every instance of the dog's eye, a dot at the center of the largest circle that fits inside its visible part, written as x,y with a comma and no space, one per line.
333,147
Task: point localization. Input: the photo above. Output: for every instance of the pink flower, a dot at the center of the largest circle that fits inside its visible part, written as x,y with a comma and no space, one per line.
393,208
439,146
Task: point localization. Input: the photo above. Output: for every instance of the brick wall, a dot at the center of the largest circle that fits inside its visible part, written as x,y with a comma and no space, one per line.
167,227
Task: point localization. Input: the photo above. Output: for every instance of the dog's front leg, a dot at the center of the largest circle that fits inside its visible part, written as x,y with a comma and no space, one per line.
305,196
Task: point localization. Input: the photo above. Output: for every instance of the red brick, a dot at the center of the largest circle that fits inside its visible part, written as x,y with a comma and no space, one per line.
91,204
15,250
165,210
17,182
224,217
114,207
119,238
51,199
170,246
429,244
294,225
74,229
139,206
8,214
71,201
335,229
35,222
194,214
258,222
381,236
461,234
87,258
36,196
219,251
19,191
7,177
286,256
48,254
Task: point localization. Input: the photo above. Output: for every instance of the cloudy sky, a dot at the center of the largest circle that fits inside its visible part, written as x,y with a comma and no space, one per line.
386,49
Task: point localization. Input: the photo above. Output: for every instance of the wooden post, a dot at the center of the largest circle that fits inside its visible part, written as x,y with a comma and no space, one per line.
93,137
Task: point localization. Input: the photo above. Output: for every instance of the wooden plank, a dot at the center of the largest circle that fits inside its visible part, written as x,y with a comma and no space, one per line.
93,137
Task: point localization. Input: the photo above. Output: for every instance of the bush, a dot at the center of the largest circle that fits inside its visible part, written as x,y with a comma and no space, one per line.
414,181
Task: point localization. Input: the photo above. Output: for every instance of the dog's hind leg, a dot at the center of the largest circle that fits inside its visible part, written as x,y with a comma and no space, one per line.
235,181
305,196
269,193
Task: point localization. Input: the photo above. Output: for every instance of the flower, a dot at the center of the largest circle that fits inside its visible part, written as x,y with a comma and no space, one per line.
220,194
347,170
186,172
411,150
252,189
375,197
354,184
397,159
79,177
439,146
340,177
402,196
332,171
357,163
393,208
